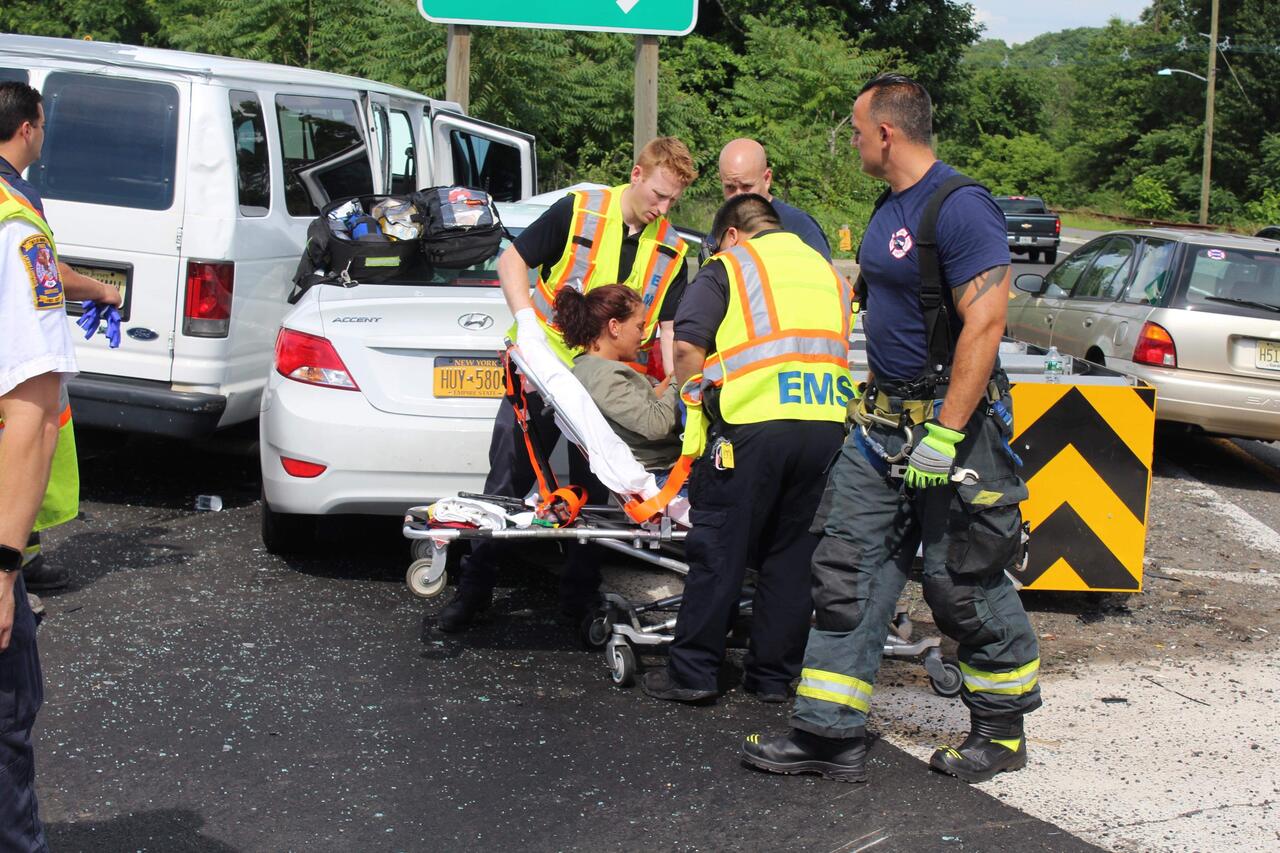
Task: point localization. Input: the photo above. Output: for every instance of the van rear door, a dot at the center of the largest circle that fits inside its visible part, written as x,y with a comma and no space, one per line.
112,179
473,153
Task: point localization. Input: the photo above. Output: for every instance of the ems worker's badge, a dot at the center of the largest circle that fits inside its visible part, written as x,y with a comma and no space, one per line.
42,269
900,243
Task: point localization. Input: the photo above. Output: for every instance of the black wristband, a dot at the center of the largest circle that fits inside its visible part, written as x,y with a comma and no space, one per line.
10,559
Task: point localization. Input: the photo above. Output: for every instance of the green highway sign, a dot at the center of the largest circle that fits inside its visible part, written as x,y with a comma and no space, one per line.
644,17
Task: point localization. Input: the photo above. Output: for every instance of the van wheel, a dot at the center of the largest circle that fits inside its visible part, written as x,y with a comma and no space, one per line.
285,533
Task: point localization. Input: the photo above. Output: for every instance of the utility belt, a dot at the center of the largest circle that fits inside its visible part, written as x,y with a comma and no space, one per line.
889,406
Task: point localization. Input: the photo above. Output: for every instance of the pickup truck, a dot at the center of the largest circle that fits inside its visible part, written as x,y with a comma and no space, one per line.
1031,227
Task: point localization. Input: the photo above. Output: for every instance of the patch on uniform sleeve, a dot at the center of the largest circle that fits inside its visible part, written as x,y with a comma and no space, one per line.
42,269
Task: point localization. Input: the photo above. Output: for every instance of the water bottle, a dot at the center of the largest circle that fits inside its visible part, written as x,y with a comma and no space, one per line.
1052,365
208,503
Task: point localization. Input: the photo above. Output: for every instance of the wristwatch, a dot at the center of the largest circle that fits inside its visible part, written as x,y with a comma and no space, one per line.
10,559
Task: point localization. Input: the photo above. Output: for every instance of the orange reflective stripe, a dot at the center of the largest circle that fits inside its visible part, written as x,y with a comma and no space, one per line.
65,417
641,511
766,290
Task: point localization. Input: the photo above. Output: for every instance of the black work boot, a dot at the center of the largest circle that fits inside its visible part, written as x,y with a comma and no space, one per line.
660,684
463,610
994,745
38,575
841,759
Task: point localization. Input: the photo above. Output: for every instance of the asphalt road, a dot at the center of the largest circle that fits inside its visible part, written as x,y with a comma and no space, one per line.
203,695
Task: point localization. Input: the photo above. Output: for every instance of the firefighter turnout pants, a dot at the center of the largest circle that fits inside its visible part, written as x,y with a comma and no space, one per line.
871,527
755,514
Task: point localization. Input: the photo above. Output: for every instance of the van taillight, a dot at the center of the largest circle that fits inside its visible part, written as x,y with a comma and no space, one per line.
207,313
311,359
1155,347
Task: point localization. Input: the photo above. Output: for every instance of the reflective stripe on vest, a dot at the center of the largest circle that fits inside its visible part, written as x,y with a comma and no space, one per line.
782,348
591,258
13,204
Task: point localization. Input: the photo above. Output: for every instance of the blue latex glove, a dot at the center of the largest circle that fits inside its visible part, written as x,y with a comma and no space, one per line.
931,461
93,316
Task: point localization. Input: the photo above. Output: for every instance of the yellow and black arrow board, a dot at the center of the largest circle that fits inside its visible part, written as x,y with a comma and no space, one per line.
1086,453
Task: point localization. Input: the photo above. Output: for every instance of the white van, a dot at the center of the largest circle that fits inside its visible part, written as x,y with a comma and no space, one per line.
189,180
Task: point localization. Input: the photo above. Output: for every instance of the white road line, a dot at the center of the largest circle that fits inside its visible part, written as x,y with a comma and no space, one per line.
1236,519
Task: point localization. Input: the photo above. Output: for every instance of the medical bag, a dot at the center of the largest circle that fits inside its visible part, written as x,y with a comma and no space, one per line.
461,226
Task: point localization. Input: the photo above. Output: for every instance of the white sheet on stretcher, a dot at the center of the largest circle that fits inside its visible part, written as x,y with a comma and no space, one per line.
579,418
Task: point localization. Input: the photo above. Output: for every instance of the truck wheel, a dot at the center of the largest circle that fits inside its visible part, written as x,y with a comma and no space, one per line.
1051,256
285,534
1033,256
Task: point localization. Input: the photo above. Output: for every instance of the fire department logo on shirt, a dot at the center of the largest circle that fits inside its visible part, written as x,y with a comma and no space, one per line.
42,268
900,243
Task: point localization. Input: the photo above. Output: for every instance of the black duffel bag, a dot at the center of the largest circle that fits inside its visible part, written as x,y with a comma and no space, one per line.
461,226
364,253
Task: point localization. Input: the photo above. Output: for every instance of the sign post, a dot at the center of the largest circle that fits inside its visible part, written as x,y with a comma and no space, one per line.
646,19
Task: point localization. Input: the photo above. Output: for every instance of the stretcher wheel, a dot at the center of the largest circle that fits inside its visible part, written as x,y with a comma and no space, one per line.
622,664
423,581
949,683
597,628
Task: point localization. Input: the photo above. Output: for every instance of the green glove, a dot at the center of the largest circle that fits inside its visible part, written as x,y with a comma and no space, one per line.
931,461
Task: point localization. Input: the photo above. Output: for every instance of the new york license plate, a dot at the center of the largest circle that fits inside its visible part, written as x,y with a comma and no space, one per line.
454,376
1267,356
117,278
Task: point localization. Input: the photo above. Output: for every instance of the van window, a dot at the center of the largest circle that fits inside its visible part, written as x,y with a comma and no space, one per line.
253,166
404,159
19,74
312,129
108,140
486,165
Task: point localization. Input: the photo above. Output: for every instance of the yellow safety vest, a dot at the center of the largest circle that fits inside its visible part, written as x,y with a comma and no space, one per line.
590,259
62,496
782,350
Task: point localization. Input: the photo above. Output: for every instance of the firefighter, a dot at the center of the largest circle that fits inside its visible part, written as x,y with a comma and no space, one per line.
927,462
586,239
772,396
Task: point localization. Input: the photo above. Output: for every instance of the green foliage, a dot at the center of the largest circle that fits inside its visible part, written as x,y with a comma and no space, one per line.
1148,196
1020,165
1267,208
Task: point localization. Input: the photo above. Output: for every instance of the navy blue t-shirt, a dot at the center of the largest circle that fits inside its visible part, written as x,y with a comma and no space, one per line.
803,226
23,186
971,240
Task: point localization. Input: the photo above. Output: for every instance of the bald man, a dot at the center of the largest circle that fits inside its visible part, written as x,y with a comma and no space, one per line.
744,168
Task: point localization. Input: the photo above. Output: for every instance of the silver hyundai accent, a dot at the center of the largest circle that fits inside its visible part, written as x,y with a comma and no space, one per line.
1195,314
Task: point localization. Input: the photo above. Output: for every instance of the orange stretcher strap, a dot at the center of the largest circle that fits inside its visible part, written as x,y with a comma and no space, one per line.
563,505
520,405
642,511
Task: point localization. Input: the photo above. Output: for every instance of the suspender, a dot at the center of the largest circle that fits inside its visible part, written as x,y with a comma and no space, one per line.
937,322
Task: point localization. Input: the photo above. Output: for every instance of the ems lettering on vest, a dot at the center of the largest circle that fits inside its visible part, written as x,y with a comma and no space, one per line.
821,389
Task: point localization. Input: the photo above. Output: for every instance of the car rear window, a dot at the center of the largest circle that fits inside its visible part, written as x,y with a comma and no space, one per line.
1219,278
480,275
108,140
1021,205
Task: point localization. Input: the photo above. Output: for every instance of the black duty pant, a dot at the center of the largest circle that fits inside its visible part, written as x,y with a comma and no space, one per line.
21,694
756,514
511,474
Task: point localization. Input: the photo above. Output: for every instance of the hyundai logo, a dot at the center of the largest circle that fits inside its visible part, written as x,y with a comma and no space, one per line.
475,322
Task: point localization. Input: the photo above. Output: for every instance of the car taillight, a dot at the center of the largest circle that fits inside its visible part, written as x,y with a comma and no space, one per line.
310,359
301,468
1155,347
207,313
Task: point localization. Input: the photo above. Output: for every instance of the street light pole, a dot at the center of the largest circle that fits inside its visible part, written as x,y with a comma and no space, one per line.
1210,79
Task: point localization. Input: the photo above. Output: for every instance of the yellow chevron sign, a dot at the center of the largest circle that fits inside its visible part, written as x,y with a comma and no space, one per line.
1086,452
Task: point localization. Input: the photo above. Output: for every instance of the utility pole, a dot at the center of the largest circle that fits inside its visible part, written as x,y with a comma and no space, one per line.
1210,80
646,99
457,67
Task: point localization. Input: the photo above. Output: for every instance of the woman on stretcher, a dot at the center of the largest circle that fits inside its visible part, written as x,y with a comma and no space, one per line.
608,324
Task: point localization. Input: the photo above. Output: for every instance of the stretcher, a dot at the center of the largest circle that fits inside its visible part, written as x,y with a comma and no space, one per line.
643,521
